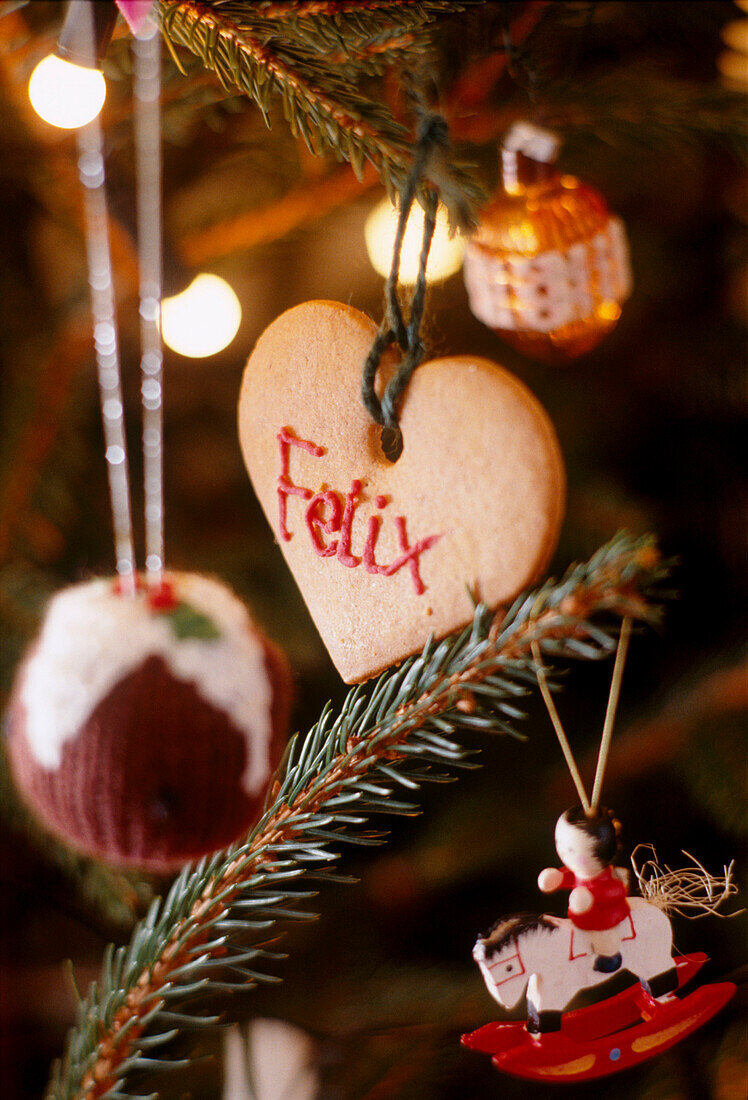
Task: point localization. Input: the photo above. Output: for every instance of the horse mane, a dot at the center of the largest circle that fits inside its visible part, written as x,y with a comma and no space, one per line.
508,930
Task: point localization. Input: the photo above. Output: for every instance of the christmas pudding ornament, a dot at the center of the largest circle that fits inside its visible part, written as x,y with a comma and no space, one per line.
387,554
548,267
145,729
149,716
551,959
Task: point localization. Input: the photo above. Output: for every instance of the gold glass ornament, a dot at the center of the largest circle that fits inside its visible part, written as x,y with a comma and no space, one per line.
548,267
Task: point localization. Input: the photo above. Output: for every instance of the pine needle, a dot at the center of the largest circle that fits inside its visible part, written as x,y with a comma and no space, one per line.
195,941
317,59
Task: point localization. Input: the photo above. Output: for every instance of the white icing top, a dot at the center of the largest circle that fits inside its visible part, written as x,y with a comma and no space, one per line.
92,638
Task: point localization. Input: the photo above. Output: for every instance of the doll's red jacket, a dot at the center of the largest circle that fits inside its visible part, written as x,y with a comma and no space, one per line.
609,906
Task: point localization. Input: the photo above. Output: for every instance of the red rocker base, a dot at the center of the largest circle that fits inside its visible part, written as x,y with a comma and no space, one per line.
603,1038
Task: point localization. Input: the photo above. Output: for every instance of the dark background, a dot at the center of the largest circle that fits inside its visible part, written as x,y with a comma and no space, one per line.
653,430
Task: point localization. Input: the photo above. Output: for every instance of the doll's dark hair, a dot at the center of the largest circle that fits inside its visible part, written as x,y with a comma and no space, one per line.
603,829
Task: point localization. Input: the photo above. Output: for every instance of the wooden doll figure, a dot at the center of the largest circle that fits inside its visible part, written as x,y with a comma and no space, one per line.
598,902
550,959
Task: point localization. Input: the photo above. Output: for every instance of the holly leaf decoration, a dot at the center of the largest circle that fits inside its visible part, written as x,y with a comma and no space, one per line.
188,622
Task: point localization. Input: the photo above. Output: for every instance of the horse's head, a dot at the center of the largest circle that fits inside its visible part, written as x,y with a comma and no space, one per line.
502,954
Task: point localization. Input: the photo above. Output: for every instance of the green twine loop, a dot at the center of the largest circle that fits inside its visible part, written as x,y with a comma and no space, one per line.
433,133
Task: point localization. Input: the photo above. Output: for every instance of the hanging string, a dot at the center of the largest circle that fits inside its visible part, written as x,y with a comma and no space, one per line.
558,727
98,255
433,135
690,892
146,93
610,713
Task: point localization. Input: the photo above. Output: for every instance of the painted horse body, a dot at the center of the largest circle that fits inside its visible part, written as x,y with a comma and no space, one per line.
553,959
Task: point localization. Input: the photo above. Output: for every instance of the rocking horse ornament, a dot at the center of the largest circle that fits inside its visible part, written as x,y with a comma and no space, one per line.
552,959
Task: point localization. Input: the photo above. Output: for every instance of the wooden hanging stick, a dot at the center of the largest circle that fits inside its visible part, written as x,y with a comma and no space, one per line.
610,714
558,727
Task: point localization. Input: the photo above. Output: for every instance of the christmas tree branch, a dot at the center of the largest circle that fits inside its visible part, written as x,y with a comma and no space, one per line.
305,8
322,102
375,48
204,937
641,109
311,201
266,223
474,86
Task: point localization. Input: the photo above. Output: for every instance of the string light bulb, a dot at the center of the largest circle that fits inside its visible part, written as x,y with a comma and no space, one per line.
67,88
733,63
203,319
65,94
445,257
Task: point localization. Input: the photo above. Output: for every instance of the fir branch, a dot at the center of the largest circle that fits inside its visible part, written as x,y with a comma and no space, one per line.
641,109
352,22
475,84
303,8
364,38
374,54
322,101
266,223
239,58
392,734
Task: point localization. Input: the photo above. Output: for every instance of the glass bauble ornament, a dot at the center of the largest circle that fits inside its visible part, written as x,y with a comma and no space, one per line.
548,267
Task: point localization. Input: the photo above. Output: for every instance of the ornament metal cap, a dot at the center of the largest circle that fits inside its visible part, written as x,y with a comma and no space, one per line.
86,32
532,141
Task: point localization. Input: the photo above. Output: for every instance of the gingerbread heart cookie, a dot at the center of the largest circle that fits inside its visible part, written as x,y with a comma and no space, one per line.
386,555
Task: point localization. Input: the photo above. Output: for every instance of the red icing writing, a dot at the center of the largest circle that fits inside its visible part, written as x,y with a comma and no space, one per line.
329,512
375,522
345,557
315,523
286,487
411,555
